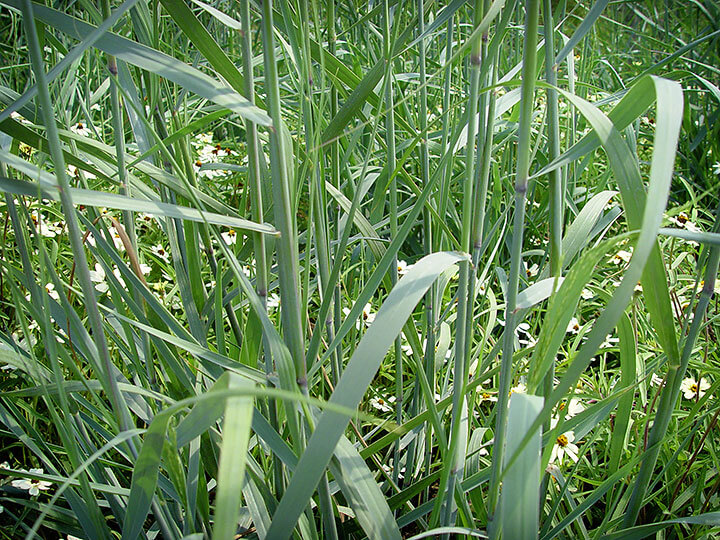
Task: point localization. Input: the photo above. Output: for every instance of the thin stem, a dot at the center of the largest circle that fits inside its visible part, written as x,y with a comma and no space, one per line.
521,186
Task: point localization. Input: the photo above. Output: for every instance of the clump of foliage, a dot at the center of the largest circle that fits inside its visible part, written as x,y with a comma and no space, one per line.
333,269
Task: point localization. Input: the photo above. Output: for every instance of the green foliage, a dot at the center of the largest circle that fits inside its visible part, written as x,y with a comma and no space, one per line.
338,270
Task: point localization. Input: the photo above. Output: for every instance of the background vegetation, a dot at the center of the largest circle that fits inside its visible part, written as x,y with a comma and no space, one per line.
344,269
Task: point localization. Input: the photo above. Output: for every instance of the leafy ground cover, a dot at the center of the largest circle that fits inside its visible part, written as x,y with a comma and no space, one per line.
346,270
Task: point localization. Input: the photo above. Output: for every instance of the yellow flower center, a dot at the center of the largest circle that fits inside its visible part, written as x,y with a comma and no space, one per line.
231,232
562,441
486,395
694,388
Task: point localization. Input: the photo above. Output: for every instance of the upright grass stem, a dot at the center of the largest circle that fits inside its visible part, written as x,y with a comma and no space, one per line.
521,186
107,377
284,216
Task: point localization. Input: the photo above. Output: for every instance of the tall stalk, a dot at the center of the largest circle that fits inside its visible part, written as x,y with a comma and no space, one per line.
107,376
463,331
521,186
283,208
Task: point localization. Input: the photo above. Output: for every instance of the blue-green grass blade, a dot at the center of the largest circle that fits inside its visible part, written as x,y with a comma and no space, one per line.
352,386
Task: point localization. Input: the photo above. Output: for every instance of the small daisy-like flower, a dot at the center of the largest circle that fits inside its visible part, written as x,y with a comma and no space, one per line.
587,294
367,315
116,239
33,487
97,276
621,256
486,397
572,407
145,269
142,217
230,237
683,221
564,446
716,168
161,252
656,380
403,267
520,388
692,389
50,289
273,301
74,172
382,404
609,342
80,129
532,271
573,326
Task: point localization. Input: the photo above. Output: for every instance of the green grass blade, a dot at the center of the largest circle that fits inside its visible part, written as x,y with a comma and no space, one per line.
357,376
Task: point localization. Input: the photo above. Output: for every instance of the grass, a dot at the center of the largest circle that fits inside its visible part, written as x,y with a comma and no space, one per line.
335,270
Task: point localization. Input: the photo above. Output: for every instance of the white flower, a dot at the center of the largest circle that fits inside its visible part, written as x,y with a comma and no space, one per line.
522,331
683,221
587,294
32,486
382,404
621,256
532,271
118,276
574,406
691,388
656,380
97,276
230,237
520,388
564,447
116,239
403,267
145,269
160,251
487,397
50,289
145,218
80,129
573,326
273,301
367,315
716,168
73,171
609,342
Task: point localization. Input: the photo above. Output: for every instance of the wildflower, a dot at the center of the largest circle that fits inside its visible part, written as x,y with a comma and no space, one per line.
523,334
80,129
683,221
381,404
74,172
621,256
32,486
145,269
403,267
116,238
532,271
97,276
716,168
367,315
520,388
573,326
50,289
230,237
609,342
160,251
273,301
564,446
587,294
145,218
656,380
487,397
692,389
574,406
